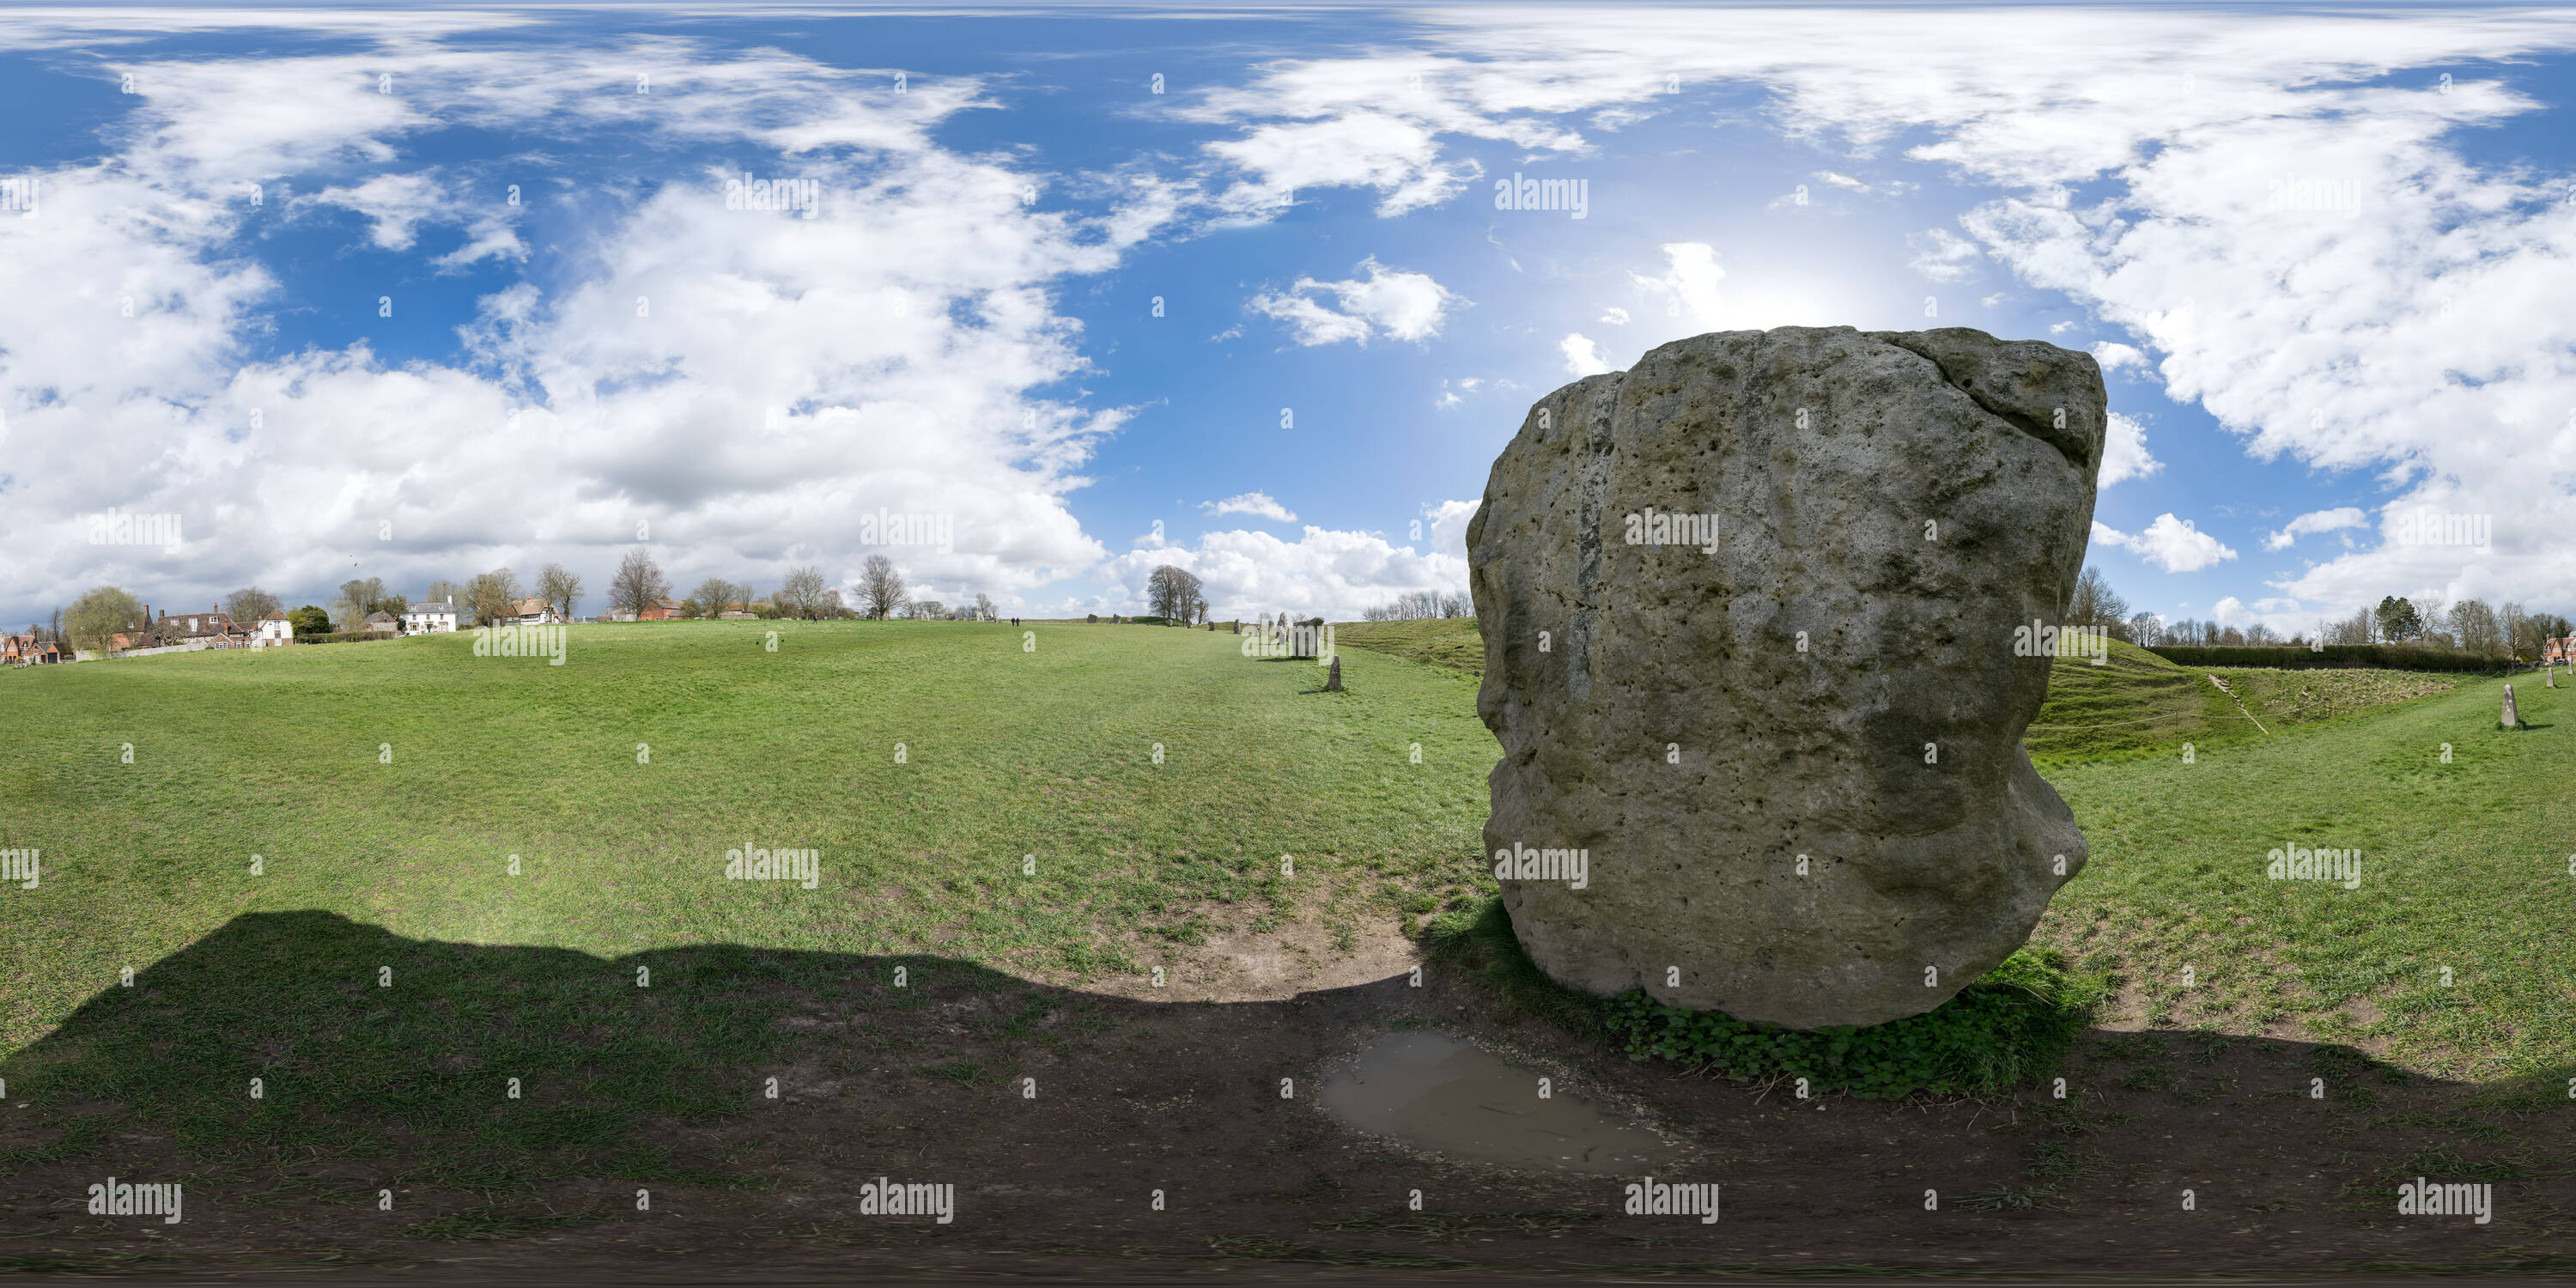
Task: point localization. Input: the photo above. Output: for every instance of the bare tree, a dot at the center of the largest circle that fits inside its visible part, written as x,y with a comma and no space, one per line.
560,587
495,595
983,607
250,604
2475,625
801,595
2094,604
443,592
638,584
2514,626
357,599
709,599
1174,593
880,587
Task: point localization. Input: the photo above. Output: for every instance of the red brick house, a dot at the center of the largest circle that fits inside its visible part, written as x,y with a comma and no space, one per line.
660,610
2561,650
27,650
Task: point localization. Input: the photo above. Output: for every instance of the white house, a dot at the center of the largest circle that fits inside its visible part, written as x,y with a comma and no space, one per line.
420,619
273,630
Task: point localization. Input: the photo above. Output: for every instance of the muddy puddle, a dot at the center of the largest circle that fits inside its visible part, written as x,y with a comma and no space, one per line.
1436,1092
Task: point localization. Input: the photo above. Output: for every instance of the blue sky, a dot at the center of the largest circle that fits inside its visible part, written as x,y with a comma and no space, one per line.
2324,257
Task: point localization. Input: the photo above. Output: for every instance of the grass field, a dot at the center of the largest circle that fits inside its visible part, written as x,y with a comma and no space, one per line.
1050,753
1006,753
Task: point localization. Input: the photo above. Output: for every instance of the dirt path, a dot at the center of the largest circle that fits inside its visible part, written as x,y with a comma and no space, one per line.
1184,1098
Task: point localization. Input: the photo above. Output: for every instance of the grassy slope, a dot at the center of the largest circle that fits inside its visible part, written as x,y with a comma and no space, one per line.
2464,865
1440,641
1009,753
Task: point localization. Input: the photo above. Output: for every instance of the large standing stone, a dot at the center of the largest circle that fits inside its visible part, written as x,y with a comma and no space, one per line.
1829,677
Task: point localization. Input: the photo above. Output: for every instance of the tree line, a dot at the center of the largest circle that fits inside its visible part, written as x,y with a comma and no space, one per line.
2469,625
95,618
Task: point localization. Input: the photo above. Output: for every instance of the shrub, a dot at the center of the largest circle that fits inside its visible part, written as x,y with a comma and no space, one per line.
2011,1025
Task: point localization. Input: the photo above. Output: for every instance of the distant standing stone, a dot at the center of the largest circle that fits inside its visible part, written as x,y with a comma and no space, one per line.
1333,681
2508,706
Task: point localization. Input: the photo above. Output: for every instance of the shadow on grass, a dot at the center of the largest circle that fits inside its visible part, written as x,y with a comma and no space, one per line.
467,1068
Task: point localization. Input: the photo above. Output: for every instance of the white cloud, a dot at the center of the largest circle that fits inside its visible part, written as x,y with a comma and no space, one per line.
2169,543
1253,503
2124,452
2229,611
2316,521
1325,572
1941,255
1615,316
2114,355
1582,356
1390,302
1693,298
791,376
1688,285
2271,201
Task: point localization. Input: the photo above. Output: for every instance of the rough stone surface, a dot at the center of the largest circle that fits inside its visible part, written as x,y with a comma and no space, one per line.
1823,453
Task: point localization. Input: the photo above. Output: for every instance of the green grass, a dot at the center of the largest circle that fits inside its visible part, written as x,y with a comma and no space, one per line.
2012,1025
1012,753
1450,642
2139,705
1008,753
2465,865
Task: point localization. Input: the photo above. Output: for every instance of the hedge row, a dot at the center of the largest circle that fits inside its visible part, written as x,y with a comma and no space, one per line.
2298,657
343,637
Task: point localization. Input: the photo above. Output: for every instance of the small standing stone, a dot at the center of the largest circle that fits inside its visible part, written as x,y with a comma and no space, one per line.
1333,680
2551,676
2508,706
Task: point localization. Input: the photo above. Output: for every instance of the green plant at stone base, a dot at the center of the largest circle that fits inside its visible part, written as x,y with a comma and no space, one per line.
2010,1026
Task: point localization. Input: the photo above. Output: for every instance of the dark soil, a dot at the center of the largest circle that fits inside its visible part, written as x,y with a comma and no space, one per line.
1133,1096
